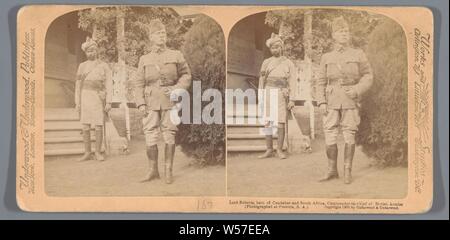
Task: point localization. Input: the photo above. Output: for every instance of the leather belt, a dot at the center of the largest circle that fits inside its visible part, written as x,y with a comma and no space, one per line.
91,85
158,83
276,82
341,82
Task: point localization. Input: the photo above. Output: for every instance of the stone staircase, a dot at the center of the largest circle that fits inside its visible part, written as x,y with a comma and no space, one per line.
62,132
245,136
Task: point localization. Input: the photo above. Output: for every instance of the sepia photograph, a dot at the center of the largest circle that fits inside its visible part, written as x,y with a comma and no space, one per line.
225,109
109,72
341,111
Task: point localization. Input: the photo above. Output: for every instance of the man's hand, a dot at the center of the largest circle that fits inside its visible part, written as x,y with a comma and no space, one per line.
290,105
108,107
324,109
351,92
143,109
167,91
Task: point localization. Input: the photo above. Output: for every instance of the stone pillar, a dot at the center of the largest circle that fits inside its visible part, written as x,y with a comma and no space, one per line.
118,142
302,118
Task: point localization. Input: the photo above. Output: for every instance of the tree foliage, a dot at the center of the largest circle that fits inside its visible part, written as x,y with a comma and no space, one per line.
204,50
290,24
136,42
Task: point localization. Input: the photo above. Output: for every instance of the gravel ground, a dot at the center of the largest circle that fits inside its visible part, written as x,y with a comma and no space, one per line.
247,176
120,175
297,177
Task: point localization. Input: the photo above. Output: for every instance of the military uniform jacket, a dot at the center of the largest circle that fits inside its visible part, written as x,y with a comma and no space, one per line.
277,72
343,68
156,70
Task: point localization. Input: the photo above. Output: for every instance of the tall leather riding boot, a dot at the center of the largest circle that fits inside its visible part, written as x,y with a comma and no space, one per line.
87,146
332,154
168,154
280,142
152,156
98,144
269,147
348,159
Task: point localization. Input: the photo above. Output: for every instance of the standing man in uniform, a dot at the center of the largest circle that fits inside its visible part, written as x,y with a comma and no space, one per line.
159,73
344,76
93,90
277,72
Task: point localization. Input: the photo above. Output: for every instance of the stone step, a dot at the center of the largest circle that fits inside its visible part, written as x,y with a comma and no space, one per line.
245,113
65,133
62,125
67,145
246,148
61,114
247,136
65,152
66,139
233,120
244,129
248,142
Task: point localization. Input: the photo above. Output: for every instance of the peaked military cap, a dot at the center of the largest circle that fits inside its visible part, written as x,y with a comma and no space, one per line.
155,26
339,23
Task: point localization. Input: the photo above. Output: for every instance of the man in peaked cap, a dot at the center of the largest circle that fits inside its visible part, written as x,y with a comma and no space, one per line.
159,73
344,76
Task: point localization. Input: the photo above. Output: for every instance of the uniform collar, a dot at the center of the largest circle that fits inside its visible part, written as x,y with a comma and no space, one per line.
158,49
95,61
282,57
340,47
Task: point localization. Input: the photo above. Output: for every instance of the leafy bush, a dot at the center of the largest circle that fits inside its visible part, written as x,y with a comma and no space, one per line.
384,116
204,50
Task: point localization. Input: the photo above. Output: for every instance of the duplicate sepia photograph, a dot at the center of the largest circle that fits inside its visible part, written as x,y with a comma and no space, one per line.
341,111
109,74
225,109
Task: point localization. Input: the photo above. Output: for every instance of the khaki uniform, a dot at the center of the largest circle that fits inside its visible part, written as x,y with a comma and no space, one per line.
342,68
159,69
96,91
278,74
